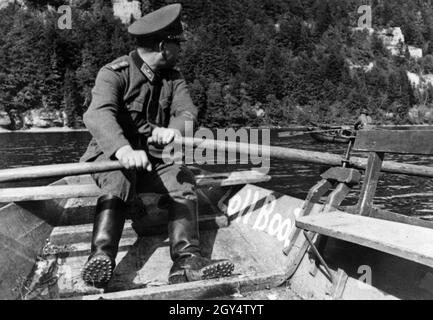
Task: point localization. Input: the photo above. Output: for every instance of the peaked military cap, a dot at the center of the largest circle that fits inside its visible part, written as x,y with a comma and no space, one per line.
163,23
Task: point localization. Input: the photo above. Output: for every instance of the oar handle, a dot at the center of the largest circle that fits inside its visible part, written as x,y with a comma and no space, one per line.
57,170
65,169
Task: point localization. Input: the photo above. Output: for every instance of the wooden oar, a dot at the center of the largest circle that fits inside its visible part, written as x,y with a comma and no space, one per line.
59,170
91,190
324,126
290,135
307,156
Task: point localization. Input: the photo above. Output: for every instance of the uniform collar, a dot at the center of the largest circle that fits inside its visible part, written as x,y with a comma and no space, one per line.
142,66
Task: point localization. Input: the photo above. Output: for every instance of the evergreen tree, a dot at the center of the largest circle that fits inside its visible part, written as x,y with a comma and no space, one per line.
323,16
283,56
272,80
71,98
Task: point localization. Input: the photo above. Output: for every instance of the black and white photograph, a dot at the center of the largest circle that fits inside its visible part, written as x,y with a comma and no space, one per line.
242,152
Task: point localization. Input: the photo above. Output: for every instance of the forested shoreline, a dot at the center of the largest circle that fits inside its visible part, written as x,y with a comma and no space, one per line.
248,62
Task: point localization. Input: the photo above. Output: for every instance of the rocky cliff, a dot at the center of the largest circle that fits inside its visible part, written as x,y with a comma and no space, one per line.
124,10
36,118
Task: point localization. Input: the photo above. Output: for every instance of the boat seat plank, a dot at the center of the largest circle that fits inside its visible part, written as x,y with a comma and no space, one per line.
395,141
224,288
91,190
410,242
65,235
22,234
16,261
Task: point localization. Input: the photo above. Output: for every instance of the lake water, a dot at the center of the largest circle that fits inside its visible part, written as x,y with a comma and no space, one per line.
399,193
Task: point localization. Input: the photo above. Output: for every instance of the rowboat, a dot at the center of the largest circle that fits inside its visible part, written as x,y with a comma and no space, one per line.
331,136
47,239
282,247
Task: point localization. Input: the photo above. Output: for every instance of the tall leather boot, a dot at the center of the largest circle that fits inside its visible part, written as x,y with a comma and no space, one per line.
188,263
107,230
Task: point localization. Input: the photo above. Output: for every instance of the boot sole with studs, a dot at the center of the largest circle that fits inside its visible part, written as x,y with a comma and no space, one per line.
97,271
217,270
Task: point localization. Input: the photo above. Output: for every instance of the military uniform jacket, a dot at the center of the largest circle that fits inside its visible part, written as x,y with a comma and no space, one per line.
129,100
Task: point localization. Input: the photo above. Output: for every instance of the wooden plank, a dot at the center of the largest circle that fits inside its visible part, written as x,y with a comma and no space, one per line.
91,190
406,241
269,220
395,141
22,235
48,192
390,216
195,290
253,241
16,263
369,186
57,170
16,222
145,262
233,178
76,211
340,174
82,233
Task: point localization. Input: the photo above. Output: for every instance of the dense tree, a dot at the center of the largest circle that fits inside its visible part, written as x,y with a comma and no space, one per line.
248,62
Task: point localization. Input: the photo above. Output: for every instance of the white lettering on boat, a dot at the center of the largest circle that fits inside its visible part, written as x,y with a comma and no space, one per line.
234,205
265,211
247,216
274,225
287,224
266,218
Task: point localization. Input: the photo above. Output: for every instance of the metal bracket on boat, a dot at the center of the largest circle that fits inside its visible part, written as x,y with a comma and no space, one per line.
314,195
338,279
318,256
346,159
350,177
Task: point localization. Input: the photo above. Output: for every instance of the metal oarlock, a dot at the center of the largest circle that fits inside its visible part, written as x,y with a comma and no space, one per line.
346,159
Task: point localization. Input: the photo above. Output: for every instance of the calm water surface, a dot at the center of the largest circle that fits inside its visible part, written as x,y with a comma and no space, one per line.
398,193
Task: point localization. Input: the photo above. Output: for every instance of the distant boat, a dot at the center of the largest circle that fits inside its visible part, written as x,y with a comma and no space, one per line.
332,134
335,136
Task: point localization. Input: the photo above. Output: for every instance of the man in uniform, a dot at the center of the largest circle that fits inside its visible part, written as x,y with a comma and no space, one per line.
140,103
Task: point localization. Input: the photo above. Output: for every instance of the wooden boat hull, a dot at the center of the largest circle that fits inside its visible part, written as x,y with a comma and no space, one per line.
249,225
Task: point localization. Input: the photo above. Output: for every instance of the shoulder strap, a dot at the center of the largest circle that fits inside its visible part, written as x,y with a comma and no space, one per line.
119,65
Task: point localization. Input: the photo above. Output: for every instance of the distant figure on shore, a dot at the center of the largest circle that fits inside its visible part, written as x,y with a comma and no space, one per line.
364,120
